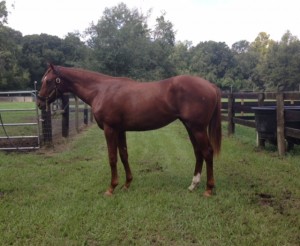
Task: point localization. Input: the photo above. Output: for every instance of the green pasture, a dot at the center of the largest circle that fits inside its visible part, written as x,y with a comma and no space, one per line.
55,196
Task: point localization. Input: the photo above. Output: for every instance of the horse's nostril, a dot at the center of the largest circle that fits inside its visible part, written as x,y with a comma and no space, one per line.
39,105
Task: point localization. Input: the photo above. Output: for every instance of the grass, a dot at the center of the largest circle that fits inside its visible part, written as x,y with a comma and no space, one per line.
55,196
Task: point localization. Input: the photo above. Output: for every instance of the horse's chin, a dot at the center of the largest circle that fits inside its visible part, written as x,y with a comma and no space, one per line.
41,105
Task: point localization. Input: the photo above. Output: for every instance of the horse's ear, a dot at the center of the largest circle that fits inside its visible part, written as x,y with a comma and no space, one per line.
50,65
53,68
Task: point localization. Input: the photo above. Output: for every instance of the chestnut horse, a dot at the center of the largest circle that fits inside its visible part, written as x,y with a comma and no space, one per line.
121,104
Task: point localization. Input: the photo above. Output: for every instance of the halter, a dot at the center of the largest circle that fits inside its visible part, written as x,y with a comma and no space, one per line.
55,92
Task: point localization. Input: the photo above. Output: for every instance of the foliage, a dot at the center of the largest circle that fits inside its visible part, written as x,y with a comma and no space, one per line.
3,13
38,50
181,57
212,60
12,74
119,40
122,44
282,66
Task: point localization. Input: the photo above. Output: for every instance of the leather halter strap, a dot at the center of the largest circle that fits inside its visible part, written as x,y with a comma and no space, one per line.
55,92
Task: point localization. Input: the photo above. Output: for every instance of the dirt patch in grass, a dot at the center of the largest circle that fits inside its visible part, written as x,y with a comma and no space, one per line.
281,204
265,199
150,168
18,143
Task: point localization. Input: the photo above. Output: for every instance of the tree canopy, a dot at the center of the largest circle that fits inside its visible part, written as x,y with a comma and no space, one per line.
121,43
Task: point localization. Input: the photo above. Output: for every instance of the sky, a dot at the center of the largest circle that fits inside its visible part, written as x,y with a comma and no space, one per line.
226,21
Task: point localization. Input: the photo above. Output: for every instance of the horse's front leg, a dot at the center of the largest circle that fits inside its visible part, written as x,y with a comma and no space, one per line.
111,136
122,145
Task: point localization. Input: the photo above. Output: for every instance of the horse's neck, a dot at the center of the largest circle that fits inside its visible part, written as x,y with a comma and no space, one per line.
83,86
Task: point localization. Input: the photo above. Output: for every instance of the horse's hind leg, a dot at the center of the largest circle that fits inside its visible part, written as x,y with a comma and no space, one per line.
122,145
199,162
205,150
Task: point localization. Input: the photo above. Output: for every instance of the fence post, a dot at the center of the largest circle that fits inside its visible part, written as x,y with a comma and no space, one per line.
280,123
85,114
91,115
47,126
231,125
76,114
260,102
65,115
261,98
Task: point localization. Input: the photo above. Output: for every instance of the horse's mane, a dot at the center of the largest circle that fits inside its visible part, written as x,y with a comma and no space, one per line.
80,70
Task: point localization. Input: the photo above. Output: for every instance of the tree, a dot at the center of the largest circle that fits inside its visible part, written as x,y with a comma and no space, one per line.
38,50
240,47
75,51
12,75
3,13
181,57
212,60
119,40
164,32
163,42
261,44
282,67
123,45
245,63
258,51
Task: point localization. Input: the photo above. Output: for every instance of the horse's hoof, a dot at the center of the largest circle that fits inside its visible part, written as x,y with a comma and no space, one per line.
191,188
108,193
125,188
208,193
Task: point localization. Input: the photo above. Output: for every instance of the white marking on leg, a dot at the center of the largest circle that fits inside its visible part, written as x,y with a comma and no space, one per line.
195,182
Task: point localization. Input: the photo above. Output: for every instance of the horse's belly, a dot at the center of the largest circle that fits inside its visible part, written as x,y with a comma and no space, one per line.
144,123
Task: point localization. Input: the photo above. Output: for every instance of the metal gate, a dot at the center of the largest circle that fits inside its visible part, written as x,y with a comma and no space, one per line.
19,124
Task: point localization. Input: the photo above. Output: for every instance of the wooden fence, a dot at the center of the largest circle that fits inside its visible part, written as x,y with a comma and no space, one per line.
237,109
65,116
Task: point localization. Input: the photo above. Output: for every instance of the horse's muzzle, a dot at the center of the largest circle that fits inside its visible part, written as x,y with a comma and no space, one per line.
41,104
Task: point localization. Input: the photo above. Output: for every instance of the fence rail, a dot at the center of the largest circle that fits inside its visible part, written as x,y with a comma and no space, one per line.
12,140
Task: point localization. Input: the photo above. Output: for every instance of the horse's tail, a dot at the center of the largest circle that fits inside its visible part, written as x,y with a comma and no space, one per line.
215,128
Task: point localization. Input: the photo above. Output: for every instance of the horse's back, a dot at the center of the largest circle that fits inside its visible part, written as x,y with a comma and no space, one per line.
195,83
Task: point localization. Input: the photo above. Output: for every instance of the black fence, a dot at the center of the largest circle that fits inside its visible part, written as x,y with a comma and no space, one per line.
66,117
239,108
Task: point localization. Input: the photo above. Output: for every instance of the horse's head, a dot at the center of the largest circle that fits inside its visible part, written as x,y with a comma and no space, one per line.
52,87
